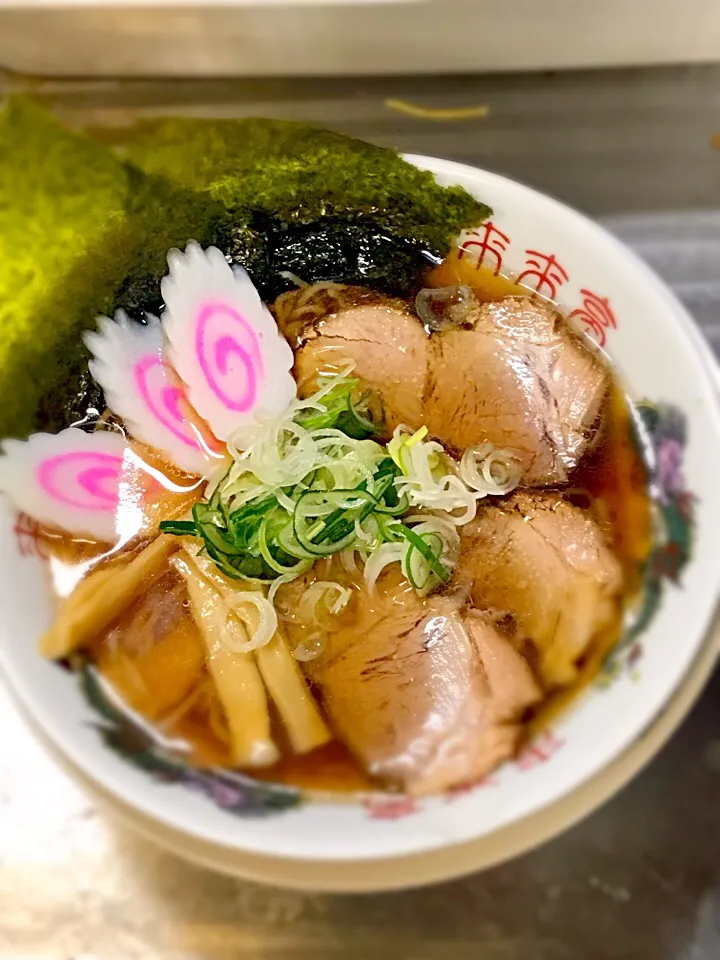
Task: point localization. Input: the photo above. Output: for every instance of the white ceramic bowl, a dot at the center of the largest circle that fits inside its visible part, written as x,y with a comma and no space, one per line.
661,358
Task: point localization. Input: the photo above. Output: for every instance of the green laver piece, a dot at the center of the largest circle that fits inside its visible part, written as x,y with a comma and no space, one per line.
62,205
86,223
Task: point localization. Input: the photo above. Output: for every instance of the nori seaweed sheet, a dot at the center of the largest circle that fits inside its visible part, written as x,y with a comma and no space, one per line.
85,228
62,204
299,174
158,216
357,251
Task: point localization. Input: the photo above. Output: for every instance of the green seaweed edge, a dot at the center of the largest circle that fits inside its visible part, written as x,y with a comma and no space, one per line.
86,222
298,174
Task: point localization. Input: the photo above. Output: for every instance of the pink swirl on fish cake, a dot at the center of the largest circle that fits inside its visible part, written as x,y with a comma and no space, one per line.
163,400
224,343
83,480
229,355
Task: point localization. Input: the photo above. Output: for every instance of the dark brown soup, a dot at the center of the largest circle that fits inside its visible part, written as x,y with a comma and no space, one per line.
153,656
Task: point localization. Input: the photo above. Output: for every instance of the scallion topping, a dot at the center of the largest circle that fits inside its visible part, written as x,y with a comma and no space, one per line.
313,483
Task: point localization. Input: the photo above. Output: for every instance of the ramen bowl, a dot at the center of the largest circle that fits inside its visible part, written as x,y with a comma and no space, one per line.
670,376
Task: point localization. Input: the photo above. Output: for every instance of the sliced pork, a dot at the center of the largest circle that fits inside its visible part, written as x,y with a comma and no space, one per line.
517,377
544,563
333,324
425,695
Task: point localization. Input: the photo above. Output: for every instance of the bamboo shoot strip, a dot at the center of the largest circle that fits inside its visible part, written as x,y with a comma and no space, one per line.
101,597
236,675
304,724
283,678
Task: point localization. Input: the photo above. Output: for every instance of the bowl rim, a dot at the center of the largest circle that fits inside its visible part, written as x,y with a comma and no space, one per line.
163,813
682,316
450,862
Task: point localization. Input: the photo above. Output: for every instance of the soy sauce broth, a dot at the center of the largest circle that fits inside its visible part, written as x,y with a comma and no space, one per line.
486,285
611,481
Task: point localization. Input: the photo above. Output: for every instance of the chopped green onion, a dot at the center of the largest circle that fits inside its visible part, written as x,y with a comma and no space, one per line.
337,531
338,410
269,559
423,547
313,483
401,443
178,528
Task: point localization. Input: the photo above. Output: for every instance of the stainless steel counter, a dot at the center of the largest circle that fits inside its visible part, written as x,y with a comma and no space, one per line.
640,879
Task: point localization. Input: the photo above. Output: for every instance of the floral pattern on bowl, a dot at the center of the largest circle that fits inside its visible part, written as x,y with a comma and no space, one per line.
229,790
664,433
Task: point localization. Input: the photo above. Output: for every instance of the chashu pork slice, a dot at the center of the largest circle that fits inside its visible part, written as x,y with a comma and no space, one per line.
543,562
519,379
332,324
426,696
